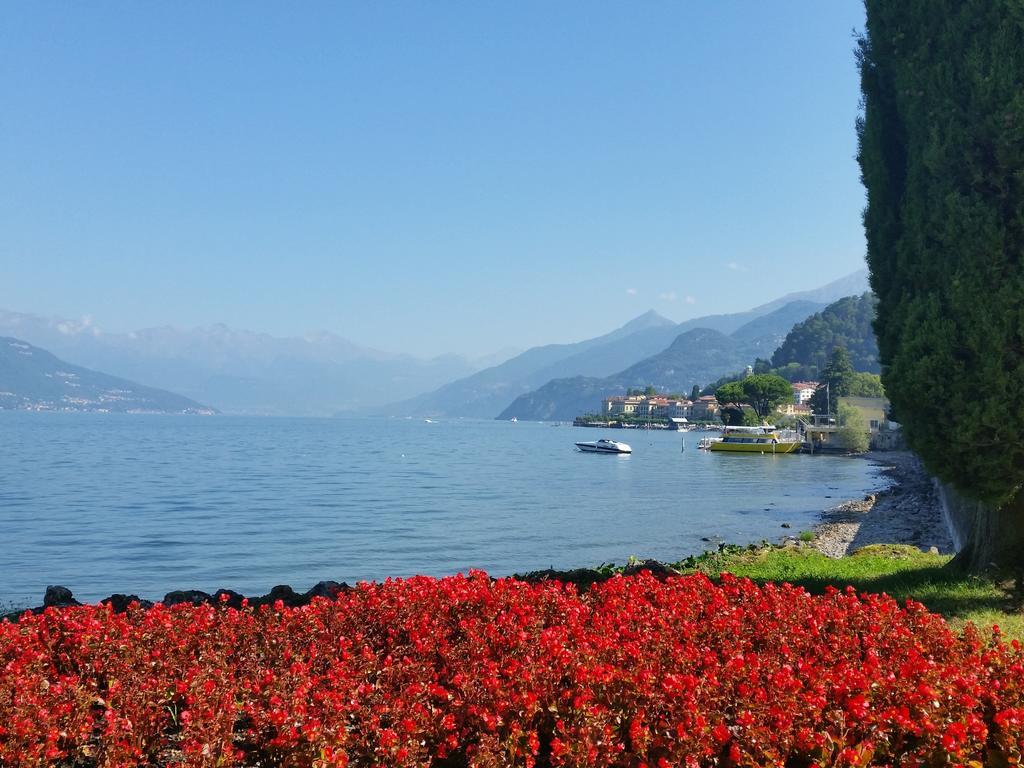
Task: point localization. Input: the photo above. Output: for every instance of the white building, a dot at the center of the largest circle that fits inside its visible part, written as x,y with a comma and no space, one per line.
803,391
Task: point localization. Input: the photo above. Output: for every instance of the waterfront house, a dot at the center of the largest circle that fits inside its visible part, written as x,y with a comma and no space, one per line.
653,407
705,408
819,430
620,405
680,409
660,407
874,410
800,410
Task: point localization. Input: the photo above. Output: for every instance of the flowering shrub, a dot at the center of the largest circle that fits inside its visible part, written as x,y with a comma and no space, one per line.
466,671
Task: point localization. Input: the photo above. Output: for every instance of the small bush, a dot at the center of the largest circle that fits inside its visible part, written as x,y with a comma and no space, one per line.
853,434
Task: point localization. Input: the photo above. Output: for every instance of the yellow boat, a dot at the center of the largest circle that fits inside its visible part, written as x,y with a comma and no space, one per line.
764,439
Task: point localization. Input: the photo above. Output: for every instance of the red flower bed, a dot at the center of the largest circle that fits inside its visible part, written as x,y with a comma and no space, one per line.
468,671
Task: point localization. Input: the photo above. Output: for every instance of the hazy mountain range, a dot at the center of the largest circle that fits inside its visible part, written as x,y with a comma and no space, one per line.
698,356
738,338
240,371
33,379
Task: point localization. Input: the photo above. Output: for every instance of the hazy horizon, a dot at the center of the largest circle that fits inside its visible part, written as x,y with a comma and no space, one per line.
70,327
425,180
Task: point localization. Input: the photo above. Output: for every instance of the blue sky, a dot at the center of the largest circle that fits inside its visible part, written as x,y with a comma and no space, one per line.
424,177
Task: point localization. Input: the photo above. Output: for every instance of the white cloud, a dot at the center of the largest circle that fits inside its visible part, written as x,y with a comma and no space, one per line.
668,296
74,327
690,300
631,291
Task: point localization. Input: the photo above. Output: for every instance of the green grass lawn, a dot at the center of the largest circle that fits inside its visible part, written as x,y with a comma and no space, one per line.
900,571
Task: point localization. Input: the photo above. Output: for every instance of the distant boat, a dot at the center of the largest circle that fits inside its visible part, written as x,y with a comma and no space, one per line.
604,446
513,419
430,421
765,439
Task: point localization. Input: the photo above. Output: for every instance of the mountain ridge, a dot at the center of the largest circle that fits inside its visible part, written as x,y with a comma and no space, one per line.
488,393
696,356
31,378
242,371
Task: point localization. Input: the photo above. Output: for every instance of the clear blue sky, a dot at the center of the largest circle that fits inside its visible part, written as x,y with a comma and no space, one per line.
424,177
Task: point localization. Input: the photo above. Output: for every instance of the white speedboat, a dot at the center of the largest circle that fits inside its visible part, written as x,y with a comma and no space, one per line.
604,446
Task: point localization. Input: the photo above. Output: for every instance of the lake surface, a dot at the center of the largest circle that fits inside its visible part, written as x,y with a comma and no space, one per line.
147,504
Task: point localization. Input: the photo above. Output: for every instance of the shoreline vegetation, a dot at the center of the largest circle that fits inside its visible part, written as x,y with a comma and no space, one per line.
893,541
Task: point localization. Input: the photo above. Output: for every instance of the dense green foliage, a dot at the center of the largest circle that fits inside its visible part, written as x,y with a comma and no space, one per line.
763,392
789,371
844,323
853,430
942,158
866,385
836,381
732,398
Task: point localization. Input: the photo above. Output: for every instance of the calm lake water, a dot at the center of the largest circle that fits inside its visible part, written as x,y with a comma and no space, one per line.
146,504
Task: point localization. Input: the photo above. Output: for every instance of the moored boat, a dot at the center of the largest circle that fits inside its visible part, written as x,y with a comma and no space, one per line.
764,439
604,446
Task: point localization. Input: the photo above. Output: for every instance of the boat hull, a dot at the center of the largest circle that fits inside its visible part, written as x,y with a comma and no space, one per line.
780,447
595,449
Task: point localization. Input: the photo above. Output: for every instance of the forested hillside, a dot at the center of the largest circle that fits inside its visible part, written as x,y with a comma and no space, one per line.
844,323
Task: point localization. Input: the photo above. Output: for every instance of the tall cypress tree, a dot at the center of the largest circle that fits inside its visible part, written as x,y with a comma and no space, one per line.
942,159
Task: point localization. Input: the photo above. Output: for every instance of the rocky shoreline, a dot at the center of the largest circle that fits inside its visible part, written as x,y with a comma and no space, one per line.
906,512
62,597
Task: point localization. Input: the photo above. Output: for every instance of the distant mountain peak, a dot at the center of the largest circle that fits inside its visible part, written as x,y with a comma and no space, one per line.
649,319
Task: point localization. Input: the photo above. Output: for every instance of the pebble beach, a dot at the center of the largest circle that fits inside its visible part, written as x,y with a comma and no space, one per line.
908,511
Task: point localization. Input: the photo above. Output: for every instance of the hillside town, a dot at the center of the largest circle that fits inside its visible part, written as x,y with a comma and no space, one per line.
680,410
818,431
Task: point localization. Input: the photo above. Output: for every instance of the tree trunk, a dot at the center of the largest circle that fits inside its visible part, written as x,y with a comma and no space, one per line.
996,540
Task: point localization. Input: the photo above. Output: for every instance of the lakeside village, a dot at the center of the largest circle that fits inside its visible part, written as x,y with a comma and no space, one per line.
647,409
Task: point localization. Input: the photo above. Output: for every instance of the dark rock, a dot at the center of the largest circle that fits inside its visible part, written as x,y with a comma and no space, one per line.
121,602
583,578
59,597
229,598
328,589
786,525
285,594
192,596
659,570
